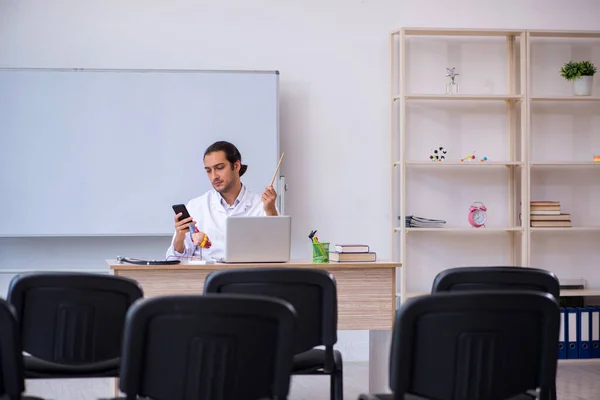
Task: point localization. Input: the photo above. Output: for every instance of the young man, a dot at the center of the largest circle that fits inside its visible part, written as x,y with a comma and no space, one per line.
229,197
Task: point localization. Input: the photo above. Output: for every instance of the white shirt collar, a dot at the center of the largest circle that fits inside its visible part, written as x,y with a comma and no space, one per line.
237,201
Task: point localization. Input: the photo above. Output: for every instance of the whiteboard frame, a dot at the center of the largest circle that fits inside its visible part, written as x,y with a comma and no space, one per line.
280,203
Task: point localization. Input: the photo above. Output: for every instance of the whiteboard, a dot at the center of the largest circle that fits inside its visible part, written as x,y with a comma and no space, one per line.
107,152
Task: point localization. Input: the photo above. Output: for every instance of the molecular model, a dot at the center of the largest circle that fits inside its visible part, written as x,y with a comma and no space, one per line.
438,155
471,157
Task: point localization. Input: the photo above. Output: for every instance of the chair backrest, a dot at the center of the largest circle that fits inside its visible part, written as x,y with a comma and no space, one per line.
485,345
12,378
219,347
312,293
72,318
499,278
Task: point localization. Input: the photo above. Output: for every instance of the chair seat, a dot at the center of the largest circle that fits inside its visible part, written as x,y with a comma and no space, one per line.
38,368
310,361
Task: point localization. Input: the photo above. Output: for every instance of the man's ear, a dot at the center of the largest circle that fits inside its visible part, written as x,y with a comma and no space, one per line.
237,165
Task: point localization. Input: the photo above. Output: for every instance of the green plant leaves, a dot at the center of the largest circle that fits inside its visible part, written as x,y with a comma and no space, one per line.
576,69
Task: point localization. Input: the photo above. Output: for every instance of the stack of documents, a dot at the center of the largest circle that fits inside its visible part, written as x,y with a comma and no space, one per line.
413,221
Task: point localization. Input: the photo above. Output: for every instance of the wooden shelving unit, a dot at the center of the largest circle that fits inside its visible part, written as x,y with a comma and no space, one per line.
520,163
571,45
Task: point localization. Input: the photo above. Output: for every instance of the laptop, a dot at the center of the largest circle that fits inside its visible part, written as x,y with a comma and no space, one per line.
258,239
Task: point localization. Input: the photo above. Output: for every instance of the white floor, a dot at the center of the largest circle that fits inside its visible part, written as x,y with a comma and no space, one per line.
577,380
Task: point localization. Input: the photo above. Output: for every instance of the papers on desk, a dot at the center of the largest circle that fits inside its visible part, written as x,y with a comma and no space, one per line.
201,262
413,221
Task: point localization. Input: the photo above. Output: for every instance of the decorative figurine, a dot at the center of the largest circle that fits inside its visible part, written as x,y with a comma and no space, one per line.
451,87
470,157
438,155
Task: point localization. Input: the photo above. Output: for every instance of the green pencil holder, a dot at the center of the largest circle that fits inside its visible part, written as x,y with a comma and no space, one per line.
320,253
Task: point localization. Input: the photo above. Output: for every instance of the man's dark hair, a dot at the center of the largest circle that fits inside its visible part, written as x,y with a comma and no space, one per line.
231,153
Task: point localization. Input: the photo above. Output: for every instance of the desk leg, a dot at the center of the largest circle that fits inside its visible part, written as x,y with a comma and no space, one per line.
379,356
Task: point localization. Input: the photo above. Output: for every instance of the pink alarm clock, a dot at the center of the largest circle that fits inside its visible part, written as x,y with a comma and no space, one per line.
477,215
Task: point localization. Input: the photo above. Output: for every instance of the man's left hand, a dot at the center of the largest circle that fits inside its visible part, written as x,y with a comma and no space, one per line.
268,199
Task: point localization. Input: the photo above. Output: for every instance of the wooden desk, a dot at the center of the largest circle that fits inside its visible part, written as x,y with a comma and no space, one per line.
366,290
366,297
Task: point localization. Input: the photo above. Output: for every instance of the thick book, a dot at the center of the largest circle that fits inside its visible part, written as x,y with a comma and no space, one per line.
349,257
550,217
551,224
544,212
351,248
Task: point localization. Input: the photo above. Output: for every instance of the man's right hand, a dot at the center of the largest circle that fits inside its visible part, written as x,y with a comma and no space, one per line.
181,229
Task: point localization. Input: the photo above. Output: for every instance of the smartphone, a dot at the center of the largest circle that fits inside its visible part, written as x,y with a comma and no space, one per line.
181,208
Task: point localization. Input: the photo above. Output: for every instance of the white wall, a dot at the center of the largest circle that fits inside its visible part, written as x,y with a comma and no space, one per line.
334,60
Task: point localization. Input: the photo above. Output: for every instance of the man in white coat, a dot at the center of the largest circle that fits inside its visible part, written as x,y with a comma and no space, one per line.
208,212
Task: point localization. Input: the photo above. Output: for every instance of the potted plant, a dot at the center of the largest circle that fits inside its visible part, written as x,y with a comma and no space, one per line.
581,73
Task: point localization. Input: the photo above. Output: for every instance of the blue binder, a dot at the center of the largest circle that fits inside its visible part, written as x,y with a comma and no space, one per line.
595,330
583,332
571,337
562,348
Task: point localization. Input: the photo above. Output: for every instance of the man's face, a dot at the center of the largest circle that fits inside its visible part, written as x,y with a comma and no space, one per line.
220,171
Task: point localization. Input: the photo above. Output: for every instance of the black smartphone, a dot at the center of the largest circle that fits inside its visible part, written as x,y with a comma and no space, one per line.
181,208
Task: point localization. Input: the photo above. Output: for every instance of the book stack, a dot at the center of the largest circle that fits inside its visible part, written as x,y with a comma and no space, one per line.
352,253
412,221
547,214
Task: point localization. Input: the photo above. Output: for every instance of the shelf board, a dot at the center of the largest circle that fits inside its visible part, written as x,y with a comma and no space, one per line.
477,231
565,98
563,292
572,229
458,32
565,34
471,164
578,360
464,97
565,164
579,292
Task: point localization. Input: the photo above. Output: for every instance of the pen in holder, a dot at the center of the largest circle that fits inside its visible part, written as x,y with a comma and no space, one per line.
320,253
320,250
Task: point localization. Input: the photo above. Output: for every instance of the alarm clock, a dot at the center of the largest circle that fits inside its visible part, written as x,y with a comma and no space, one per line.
477,214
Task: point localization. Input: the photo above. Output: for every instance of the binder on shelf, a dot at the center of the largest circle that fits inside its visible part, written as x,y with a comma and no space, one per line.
583,332
595,331
571,339
562,348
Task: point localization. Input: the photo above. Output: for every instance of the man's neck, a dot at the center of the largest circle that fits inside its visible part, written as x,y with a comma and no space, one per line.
231,195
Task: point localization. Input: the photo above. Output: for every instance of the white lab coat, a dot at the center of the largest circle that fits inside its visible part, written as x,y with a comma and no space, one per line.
210,215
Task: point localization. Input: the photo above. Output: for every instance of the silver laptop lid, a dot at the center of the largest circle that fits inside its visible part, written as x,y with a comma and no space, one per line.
258,239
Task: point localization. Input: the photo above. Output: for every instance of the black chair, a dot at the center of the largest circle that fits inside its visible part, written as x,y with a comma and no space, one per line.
313,294
484,345
509,278
12,377
71,324
498,278
217,347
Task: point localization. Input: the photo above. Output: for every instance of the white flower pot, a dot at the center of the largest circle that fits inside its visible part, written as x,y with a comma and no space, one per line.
582,86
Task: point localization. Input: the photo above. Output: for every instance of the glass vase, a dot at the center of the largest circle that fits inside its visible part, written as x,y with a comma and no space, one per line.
452,88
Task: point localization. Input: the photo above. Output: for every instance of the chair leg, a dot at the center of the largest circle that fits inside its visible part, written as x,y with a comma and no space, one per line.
337,378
